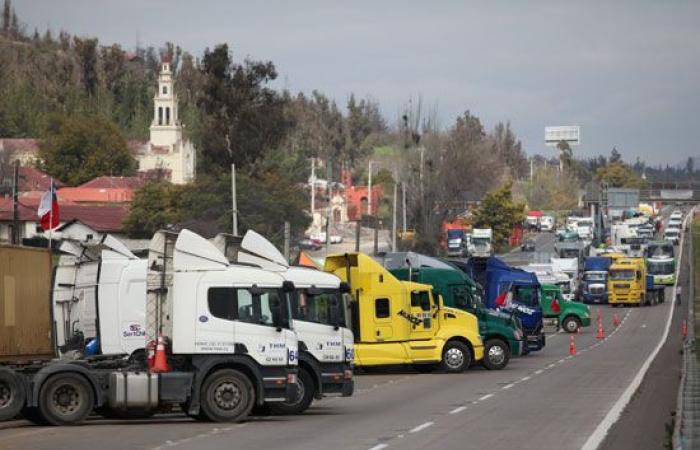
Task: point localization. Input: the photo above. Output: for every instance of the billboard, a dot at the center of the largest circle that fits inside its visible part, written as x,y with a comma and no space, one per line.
569,133
676,194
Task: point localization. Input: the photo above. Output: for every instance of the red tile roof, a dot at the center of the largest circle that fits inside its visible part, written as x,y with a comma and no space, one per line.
96,195
101,218
115,183
32,179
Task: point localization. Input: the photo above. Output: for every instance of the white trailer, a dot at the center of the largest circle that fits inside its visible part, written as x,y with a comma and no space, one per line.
481,243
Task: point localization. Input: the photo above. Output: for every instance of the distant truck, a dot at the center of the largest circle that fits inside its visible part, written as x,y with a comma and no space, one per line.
521,291
628,284
456,242
570,315
501,332
481,245
594,286
547,223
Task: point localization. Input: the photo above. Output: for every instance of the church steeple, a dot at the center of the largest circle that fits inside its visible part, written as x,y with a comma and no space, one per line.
165,128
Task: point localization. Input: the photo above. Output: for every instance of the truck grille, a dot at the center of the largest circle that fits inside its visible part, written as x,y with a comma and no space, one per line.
622,286
597,290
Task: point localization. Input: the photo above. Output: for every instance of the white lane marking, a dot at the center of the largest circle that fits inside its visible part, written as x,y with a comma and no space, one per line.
538,371
485,397
508,386
596,438
379,447
525,378
421,427
561,360
458,410
551,366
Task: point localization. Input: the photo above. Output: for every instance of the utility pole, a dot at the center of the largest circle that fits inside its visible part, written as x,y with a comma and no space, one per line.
15,204
287,238
532,168
234,203
403,209
393,221
376,236
328,206
358,229
369,190
313,188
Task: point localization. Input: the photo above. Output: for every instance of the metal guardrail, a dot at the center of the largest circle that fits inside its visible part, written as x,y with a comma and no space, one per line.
686,431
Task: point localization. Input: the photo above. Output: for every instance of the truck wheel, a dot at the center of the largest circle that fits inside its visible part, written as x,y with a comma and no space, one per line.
12,395
305,395
496,354
456,357
571,324
227,396
66,399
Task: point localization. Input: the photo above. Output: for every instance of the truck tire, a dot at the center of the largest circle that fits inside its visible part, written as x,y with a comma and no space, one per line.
12,395
227,396
456,357
305,396
571,324
66,399
496,354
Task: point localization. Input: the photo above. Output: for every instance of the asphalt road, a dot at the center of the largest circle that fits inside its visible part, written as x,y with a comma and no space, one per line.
547,400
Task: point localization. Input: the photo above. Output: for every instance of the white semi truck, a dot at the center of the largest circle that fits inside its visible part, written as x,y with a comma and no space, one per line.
219,332
481,243
318,307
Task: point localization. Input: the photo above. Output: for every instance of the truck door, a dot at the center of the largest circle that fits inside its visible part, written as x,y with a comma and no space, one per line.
421,315
214,326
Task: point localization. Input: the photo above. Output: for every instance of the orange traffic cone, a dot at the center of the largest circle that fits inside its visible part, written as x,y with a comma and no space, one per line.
160,360
600,316
572,346
616,320
601,333
684,329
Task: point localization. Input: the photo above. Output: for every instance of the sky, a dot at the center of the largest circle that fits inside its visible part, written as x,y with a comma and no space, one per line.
626,71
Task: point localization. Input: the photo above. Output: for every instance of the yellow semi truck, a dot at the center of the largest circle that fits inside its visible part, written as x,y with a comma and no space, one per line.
401,322
627,282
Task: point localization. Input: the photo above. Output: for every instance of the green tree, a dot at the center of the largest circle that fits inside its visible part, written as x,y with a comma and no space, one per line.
76,149
552,190
498,212
619,175
155,206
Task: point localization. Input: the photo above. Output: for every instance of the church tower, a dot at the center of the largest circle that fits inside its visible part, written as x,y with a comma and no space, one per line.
166,130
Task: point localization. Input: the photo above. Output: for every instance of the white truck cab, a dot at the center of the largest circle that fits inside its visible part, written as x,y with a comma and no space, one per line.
317,307
481,243
99,299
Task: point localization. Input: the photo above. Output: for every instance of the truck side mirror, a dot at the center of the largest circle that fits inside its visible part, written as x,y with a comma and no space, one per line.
335,313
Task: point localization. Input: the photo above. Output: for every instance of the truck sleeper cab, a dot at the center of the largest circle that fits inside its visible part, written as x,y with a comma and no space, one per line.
318,317
223,344
398,322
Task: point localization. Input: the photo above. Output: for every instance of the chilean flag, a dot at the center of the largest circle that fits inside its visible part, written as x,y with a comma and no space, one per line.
556,307
48,209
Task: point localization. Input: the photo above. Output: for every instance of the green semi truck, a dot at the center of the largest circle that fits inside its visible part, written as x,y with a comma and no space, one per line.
570,316
501,332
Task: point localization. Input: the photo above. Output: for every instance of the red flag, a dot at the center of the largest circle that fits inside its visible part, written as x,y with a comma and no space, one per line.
501,299
556,307
48,209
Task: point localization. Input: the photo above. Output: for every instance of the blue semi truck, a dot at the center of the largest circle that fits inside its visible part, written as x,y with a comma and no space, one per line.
594,288
519,288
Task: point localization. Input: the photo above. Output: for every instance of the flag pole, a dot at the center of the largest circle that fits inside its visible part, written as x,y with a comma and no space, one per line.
51,215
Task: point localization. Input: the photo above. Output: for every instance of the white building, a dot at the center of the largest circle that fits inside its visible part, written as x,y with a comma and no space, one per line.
167,150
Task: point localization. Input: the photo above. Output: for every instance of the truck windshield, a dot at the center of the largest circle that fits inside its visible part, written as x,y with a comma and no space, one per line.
480,242
568,253
595,276
526,295
661,267
256,306
622,274
463,297
658,250
316,305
